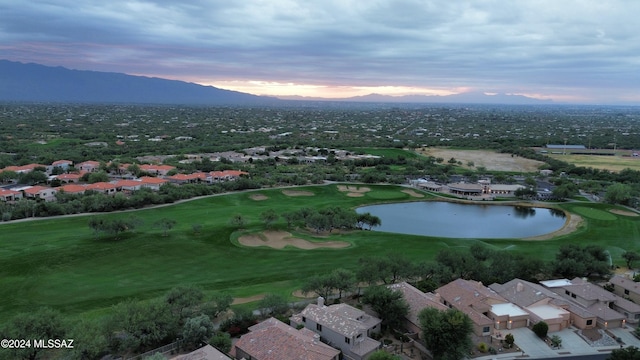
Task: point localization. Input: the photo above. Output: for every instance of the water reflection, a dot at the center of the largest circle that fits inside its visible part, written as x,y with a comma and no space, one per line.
482,221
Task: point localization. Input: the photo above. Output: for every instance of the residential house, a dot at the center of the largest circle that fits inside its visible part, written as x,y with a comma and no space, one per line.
72,189
40,192
128,185
626,288
417,301
589,297
274,340
152,183
88,166
542,304
341,326
160,170
206,352
478,301
103,187
62,164
226,175
187,178
10,195
68,178
23,169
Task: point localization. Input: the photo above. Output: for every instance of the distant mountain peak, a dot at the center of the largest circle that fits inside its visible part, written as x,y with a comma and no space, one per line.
39,83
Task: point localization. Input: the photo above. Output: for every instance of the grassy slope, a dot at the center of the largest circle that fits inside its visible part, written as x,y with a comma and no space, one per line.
59,263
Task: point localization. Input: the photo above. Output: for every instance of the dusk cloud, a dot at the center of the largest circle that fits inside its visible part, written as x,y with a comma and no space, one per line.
567,50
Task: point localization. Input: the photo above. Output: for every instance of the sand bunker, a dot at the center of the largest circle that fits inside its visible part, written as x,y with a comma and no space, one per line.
258,197
572,223
623,212
353,191
413,193
297,193
249,299
281,239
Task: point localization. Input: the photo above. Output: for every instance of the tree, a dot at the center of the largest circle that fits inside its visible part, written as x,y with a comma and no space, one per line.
509,340
44,323
541,328
183,300
97,177
238,221
628,353
217,304
630,257
575,261
565,191
273,304
389,304
344,280
446,333
618,194
221,341
165,224
269,217
197,330
90,341
111,226
321,285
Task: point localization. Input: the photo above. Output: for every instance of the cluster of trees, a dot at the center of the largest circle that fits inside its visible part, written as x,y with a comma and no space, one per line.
319,220
185,313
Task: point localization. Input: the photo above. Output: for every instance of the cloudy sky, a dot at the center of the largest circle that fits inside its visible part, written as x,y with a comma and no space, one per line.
579,51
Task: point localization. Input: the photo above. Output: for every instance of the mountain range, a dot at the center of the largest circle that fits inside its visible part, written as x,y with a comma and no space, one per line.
30,82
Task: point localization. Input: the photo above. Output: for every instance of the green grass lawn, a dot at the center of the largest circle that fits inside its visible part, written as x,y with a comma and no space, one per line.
385,152
59,262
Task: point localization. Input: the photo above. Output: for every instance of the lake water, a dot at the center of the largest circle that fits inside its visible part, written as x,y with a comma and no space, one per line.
444,219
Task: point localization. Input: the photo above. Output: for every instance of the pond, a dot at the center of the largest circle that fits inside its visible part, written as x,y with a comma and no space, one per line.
445,219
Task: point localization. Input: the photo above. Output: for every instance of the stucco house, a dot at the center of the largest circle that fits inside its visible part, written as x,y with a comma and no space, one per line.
88,166
152,183
274,340
589,297
40,192
542,304
417,301
342,327
10,195
626,288
206,352
477,301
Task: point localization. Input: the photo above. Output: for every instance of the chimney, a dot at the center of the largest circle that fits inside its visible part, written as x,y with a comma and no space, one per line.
320,301
519,287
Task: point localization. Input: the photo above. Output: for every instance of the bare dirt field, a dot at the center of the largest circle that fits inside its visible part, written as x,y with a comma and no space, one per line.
353,191
258,197
623,212
297,193
489,159
281,239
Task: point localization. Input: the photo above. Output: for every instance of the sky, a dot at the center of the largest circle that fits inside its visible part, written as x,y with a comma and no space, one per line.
577,51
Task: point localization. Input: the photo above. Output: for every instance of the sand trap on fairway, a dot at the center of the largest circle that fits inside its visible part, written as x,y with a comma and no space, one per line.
623,212
297,193
249,299
572,223
353,191
412,193
258,197
281,239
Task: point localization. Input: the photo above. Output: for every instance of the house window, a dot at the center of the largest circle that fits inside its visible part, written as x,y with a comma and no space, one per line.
589,322
485,329
573,296
304,319
626,291
347,340
318,327
567,292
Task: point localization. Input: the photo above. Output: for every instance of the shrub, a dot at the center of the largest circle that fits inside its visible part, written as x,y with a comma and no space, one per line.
492,350
541,328
509,340
483,347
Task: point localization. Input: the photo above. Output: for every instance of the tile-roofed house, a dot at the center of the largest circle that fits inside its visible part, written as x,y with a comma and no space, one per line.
88,166
68,178
102,187
473,299
157,169
206,352
188,178
275,340
541,303
152,183
128,185
72,189
63,164
629,309
417,301
40,192
226,175
10,195
341,326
